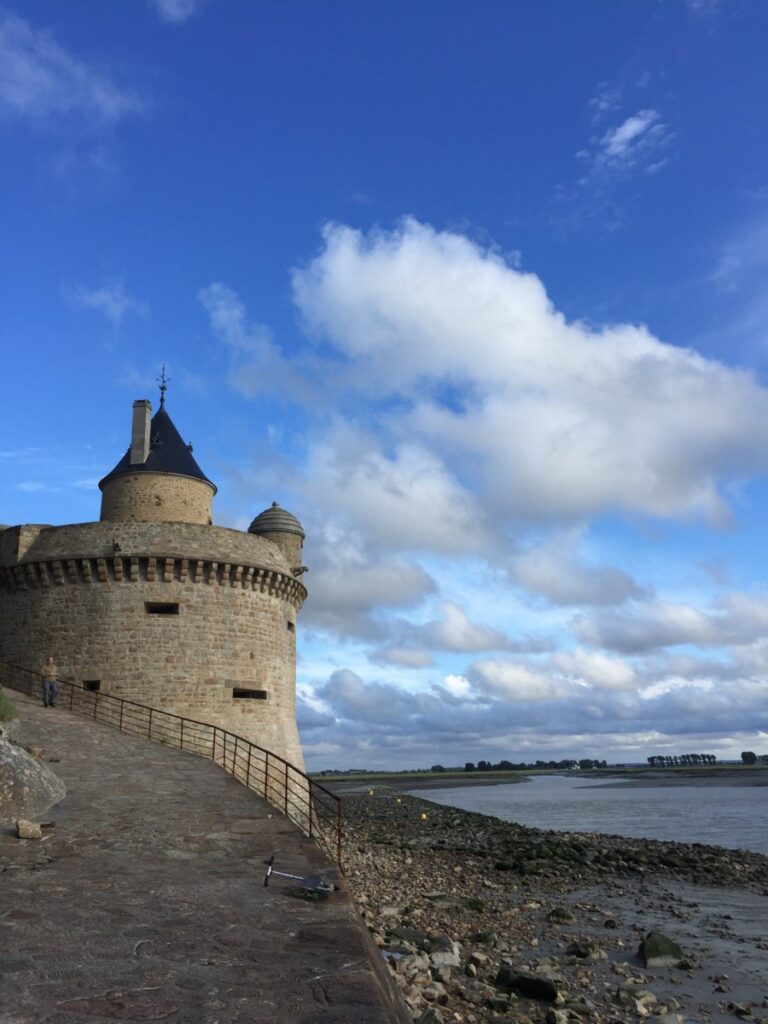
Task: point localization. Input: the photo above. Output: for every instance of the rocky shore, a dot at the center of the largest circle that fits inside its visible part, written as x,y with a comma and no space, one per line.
487,921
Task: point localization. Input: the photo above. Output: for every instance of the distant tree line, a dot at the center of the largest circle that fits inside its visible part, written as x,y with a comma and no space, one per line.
678,760
521,766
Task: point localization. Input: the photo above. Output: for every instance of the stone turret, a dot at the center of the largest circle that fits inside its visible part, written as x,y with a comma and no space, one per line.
155,604
284,529
157,480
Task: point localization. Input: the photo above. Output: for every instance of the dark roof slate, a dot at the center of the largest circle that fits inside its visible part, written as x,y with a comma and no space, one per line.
168,453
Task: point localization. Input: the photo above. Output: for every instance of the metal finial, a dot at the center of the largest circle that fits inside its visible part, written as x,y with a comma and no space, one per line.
163,381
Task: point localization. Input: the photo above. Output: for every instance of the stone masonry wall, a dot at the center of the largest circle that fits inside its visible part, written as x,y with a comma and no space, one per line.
156,497
95,609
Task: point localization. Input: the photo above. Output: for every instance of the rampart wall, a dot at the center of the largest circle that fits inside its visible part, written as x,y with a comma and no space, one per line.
196,620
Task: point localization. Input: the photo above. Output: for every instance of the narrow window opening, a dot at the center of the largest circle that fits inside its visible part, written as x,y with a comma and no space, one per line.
291,627
161,608
91,684
240,693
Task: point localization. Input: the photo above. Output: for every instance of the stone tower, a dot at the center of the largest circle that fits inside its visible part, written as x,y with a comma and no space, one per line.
155,604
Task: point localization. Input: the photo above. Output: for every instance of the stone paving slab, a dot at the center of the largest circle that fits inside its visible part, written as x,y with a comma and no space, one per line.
146,901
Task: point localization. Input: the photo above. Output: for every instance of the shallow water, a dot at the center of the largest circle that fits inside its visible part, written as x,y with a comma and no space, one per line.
733,816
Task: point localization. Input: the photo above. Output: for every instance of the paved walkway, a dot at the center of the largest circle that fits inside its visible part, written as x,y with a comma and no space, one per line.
147,901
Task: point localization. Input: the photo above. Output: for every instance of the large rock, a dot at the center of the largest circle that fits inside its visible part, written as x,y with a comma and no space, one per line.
531,986
27,788
656,950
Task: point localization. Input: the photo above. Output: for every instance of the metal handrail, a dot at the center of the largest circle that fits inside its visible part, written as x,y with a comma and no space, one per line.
311,806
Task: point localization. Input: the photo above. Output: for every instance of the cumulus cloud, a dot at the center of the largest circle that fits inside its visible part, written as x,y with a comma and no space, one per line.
40,78
406,498
516,682
375,702
111,299
734,619
556,572
453,631
543,417
596,669
519,713
455,428
348,584
407,657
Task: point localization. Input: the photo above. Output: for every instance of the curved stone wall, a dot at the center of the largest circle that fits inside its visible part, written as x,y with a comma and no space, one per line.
156,497
175,616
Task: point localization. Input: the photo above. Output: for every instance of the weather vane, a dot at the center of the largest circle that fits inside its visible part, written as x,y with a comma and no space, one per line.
163,381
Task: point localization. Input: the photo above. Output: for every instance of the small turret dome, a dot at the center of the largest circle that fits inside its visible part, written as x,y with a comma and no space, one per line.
276,520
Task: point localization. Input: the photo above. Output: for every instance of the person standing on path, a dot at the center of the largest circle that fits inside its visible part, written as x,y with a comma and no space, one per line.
50,685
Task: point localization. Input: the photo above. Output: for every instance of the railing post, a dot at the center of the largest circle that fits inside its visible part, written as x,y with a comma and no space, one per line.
338,832
122,705
95,704
248,769
181,736
71,696
266,775
309,801
149,731
285,795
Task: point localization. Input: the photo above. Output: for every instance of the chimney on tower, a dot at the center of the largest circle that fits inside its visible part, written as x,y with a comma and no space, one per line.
142,416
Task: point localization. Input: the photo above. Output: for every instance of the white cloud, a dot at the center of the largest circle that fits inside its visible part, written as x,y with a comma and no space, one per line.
459,686
606,100
33,486
517,682
407,657
734,619
454,632
617,142
556,571
596,669
176,12
348,583
544,418
257,362
111,299
40,78
638,144
406,498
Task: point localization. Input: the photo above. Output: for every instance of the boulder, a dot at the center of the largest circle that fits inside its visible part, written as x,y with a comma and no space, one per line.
27,788
530,985
656,950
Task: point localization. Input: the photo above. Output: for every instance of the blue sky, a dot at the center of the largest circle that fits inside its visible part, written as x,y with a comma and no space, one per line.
477,290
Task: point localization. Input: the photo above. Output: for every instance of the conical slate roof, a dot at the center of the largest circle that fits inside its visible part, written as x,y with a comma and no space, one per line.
168,453
276,520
